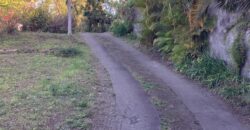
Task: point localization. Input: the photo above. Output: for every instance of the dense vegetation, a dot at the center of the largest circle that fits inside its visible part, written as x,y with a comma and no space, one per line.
51,15
179,30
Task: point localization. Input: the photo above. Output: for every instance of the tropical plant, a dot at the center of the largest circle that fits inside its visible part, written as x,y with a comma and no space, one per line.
164,43
234,5
38,21
121,28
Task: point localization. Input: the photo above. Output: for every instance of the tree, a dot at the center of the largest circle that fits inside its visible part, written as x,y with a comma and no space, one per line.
69,5
96,17
4,4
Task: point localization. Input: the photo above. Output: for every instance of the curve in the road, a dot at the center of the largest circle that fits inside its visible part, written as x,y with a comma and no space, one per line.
134,108
134,105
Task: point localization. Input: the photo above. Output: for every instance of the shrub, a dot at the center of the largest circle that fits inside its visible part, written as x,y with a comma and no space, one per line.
58,25
148,37
210,71
164,43
10,26
127,11
8,22
179,53
235,91
38,21
121,28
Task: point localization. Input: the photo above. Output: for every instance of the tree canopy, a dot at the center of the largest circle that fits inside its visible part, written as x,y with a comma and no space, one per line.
56,10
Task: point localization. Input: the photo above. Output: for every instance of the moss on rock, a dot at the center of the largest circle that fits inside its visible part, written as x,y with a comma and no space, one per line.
239,53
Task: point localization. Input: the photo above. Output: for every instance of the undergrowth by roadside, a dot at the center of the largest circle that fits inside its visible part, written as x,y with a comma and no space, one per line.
215,74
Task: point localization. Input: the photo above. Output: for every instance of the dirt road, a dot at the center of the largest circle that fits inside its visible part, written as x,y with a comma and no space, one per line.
195,107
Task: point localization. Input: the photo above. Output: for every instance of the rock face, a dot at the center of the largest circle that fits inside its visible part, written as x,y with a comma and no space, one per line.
246,69
230,29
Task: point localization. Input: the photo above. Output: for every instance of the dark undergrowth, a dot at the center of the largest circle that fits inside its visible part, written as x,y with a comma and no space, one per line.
217,76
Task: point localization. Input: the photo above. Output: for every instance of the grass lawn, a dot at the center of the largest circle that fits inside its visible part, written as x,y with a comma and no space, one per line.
46,83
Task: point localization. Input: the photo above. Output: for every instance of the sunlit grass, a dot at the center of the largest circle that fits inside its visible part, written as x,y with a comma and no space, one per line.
44,91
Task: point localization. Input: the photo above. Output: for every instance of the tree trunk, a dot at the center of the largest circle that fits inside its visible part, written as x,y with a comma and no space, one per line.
69,3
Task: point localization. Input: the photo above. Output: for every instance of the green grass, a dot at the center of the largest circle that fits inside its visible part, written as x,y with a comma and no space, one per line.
215,74
45,91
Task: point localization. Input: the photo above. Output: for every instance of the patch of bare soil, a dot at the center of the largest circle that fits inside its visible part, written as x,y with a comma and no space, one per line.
104,111
23,50
29,50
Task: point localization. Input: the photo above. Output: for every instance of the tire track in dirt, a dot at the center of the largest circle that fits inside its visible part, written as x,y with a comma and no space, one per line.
134,110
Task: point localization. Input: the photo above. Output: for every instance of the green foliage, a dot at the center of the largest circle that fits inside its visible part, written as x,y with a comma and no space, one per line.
215,74
126,11
64,89
210,71
38,21
148,36
66,52
179,53
236,91
166,27
139,3
96,19
173,15
78,121
158,27
151,21
165,43
121,28
97,22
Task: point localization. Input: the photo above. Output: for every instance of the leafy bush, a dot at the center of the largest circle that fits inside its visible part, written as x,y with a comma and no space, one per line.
96,19
127,11
179,53
210,71
8,22
38,21
171,31
236,91
121,28
10,26
148,36
164,43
